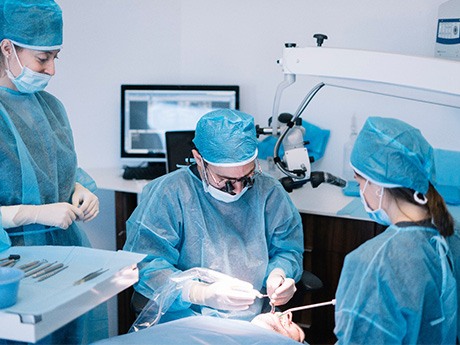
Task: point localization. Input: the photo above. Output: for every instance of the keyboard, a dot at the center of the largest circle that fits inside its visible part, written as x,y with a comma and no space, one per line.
149,172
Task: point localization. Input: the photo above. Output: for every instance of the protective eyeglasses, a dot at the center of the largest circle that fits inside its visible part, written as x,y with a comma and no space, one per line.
228,185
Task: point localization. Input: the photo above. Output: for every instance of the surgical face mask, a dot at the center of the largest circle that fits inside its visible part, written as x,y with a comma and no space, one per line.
28,81
379,215
219,194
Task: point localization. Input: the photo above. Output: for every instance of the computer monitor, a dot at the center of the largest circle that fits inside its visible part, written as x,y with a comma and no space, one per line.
149,111
178,149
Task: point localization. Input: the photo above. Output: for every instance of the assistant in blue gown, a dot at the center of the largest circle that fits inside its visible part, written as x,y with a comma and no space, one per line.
38,163
399,287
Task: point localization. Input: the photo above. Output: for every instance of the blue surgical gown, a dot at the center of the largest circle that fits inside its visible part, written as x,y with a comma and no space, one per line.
454,246
180,226
38,165
398,288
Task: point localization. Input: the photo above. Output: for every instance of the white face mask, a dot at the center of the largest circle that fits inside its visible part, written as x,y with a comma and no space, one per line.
28,81
379,215
219,194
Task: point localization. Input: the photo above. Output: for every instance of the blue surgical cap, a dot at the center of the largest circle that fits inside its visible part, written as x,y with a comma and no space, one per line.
391,153
226,137
32,24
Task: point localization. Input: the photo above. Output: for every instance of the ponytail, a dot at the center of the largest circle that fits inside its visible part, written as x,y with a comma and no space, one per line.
435,206
440,215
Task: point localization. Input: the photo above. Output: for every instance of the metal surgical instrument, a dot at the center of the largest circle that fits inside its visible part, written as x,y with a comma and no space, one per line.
90,276
9,261
38,269
50,274
32,265
259,295
11,257
47,270
27,265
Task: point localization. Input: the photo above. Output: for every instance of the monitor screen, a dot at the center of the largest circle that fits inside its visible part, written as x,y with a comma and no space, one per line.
149,111
178,149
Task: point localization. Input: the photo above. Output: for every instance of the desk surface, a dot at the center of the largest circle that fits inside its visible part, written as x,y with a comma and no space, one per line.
324,200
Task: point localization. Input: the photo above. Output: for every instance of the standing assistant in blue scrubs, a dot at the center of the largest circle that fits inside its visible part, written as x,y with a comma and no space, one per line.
399,287
42,191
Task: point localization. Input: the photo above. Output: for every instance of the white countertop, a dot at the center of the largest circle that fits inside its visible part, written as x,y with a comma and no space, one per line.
324,200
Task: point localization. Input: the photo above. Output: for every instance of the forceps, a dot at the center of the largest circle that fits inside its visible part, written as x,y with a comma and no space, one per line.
90,276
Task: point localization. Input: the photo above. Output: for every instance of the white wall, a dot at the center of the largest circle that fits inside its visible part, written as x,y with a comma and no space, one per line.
112,42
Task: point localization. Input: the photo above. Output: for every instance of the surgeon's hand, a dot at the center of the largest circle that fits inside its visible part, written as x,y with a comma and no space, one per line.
279,288
60,214
86,201
231,294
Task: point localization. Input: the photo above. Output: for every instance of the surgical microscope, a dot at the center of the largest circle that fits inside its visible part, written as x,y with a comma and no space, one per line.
296,163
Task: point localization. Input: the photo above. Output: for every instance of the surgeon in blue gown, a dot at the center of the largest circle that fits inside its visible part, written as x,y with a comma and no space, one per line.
399,287
42,191
221,213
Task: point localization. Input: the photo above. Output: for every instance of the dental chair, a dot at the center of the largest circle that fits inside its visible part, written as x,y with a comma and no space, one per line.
309,282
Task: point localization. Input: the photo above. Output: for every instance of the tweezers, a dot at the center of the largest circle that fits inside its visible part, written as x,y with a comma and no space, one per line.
90,276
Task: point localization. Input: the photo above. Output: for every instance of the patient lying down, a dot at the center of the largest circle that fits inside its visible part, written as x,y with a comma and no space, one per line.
281,324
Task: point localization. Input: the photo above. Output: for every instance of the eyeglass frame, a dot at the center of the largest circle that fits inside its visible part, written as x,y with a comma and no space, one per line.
247,180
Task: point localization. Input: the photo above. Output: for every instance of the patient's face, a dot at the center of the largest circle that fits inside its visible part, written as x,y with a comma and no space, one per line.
281,324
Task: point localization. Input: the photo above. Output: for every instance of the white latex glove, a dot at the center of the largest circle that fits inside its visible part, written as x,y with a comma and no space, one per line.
86,201
279,288
60,214
232,294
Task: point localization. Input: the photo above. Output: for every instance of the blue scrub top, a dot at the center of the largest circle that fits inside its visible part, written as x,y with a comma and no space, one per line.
180,226
398,288
38,164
